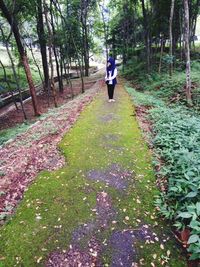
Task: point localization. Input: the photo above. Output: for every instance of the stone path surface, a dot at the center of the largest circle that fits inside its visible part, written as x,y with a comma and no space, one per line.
98,210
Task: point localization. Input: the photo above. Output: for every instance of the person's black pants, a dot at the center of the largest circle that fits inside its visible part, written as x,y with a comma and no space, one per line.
111,89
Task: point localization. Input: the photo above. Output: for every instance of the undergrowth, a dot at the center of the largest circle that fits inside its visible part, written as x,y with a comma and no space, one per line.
176,140
170,89
8,134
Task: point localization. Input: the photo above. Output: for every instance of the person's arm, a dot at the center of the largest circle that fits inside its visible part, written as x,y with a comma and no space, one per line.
114,75
106,77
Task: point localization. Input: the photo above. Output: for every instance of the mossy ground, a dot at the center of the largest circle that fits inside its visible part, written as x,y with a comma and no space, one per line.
58,202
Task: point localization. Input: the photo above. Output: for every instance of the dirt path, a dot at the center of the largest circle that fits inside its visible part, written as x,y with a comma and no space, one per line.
98,209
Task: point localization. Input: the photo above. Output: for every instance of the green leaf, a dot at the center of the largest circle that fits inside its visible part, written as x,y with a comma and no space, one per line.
194,256
192,194
198,208
2,216
185,215
193,239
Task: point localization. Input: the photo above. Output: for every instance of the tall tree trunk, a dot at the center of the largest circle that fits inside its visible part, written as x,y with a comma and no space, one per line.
146,33
86,54
187,54
161,54
42,42
60,83
194,17
50,44
6,41
13,23
84,14
58,8
171,37
181,33
8,84
34,59
105,31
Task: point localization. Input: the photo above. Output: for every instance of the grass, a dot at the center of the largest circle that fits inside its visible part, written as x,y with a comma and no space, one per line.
57,202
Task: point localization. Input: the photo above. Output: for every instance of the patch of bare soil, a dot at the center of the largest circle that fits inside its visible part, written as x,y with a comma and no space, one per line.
141,114
114,176
90,256
76,257
36,149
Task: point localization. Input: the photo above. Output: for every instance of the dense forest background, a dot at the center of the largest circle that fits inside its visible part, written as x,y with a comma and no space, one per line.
150,35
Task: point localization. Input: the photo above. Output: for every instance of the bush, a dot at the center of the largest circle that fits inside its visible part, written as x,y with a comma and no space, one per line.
176,140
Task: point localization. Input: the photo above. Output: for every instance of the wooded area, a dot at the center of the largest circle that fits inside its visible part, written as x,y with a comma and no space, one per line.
45,44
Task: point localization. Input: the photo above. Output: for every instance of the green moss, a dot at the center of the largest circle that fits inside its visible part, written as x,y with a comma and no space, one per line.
58,202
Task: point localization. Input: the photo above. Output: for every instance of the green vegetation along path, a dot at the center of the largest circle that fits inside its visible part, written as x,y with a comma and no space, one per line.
98,210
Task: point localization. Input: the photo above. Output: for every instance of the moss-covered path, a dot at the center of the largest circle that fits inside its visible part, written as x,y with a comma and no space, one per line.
98,210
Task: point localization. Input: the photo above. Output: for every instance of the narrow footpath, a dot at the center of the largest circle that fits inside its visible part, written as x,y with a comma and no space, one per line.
98,210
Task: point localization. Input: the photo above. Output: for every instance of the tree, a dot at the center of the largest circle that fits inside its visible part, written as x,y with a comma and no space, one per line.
171,37
50,46
14,28
187,54
54,38
6,41
42,41
146,34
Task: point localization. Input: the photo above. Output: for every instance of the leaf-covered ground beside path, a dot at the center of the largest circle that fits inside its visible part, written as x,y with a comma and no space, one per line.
35,150
98,210
9,117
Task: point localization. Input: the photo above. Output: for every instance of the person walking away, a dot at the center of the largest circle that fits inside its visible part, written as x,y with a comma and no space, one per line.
110,78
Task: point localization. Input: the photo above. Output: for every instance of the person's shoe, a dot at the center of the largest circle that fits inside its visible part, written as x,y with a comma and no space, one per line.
113,100
110,100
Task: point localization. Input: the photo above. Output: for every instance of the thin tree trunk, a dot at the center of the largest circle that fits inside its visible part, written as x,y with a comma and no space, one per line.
52,84
42,42
14,71
146,30
161,55
13,23
55,2
55,52
70,82
35,61
187,54
171,37
181,33
84,13
104,29
8,84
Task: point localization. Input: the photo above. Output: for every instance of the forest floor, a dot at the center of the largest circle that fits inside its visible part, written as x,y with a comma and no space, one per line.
10,117
97,209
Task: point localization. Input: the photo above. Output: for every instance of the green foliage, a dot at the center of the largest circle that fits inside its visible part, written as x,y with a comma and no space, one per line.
21,76
6,135
142,99
176,141
178,144
162,86
168,59
133,68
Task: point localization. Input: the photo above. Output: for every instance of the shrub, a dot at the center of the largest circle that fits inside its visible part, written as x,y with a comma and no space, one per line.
176,140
